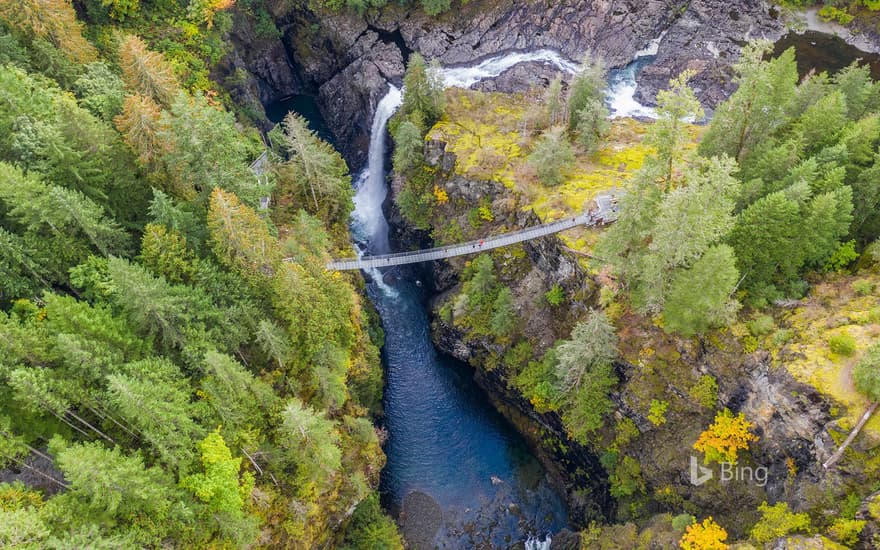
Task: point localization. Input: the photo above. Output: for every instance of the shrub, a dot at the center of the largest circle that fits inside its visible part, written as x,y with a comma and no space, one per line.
842,344
551,157
626,431
831,13
778,521
866,373
725,437
370,528
842,257
682,521
783,336
705,391
555,296
704,536
862,287
518,356
627,478
846,531
761,325
657,414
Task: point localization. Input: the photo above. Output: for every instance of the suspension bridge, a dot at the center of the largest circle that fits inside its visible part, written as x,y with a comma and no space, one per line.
603,211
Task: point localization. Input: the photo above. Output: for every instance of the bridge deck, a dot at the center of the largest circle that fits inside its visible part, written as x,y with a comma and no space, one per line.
602,215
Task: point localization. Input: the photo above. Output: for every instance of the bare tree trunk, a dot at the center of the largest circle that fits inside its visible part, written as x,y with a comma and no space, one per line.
852,435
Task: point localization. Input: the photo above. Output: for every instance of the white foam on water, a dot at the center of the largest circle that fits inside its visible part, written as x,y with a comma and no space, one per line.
465,77
533,543
370,185
621,96
652,48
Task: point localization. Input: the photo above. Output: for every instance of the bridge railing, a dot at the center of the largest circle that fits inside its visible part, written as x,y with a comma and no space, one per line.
463,248
604,211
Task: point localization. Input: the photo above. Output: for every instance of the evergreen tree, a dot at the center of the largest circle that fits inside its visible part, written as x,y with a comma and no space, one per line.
625,242
100,90
554,103
408,147
676,107
146,72
587,89
174,314
316,174
141,124
423,97
153,397
689,220
238,398
552,157
860,92
205,150
165,253
503,313
766,241
120,488
592,125
700,296
757,108
53,20
310,442
828,218
593,344
240,238
37,209
822,122
588,404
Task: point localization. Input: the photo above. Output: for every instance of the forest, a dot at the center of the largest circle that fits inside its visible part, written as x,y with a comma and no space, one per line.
177,369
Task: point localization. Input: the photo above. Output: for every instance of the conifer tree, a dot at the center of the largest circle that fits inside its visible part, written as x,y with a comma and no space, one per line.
53,20
146,72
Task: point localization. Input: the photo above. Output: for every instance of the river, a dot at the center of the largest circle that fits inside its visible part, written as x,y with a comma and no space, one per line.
456,469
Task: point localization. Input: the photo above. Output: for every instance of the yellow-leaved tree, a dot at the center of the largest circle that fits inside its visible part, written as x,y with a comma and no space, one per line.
725,437
704,536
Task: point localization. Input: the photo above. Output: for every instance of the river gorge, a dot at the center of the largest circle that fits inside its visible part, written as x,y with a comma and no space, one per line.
458,474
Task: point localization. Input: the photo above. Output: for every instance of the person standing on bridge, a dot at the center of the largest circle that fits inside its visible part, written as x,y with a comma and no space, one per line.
481,242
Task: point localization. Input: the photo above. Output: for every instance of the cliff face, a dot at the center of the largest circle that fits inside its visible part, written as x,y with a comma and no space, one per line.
346,60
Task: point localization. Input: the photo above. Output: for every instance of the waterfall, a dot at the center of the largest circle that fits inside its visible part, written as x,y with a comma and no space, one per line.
369,224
